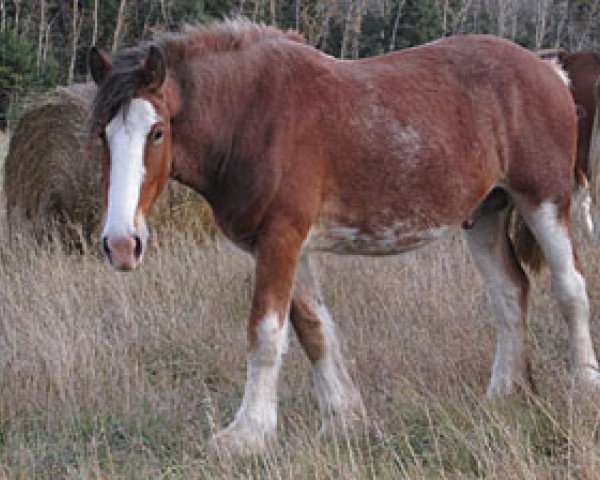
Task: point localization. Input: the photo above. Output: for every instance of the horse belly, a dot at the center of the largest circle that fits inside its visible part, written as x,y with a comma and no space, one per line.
388,240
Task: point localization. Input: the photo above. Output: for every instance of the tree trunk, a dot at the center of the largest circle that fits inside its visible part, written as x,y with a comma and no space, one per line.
273,13
17,4
323,35
356,30
542,7
347,31
514,24
396,25
445,18
46,43
583,35
74,40
501,20
352,29
561,24
256,10
166,10
3,17
88,75
119,25
298,5
42,27
95,27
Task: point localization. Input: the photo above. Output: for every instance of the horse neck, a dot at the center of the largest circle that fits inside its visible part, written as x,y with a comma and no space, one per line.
216,107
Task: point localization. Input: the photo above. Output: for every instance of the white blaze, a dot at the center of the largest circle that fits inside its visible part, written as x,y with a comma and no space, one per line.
126,135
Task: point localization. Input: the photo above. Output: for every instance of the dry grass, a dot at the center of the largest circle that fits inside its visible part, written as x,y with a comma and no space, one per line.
108,375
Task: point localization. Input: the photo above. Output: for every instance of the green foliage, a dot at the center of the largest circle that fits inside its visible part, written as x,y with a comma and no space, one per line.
420,23
19,72
193,11
374,36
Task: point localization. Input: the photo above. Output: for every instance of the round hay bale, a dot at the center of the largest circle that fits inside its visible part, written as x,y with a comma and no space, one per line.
182,210
49,181
52,176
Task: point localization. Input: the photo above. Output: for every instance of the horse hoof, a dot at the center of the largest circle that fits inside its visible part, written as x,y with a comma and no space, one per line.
346,423
588,378
240,439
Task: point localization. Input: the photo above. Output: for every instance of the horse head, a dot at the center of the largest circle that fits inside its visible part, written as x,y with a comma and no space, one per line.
132,119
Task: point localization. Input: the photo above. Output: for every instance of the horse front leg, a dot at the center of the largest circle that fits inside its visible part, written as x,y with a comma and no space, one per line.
255,425
339,401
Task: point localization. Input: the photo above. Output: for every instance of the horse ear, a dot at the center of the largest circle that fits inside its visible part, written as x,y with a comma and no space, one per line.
99,65
154,70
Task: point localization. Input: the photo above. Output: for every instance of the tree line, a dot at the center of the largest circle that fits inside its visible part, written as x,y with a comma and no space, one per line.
45,42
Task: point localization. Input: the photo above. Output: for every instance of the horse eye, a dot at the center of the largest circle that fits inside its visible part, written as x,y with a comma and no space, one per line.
158,135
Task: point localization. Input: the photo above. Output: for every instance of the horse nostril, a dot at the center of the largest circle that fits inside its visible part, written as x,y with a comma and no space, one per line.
138,247
105,247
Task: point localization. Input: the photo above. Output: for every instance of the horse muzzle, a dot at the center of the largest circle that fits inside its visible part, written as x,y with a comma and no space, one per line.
124,253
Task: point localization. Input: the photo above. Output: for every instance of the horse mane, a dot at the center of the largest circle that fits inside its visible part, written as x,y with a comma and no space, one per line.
228,35
124,80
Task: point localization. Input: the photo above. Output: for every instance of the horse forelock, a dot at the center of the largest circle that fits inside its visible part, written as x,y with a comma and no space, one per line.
125,79
118,88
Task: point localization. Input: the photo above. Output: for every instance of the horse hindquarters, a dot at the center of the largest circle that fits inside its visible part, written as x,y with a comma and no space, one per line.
508,288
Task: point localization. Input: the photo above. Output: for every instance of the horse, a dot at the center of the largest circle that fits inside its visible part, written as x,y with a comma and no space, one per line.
582,69
298,152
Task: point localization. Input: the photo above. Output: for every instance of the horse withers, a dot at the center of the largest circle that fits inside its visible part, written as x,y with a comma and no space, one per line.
298,152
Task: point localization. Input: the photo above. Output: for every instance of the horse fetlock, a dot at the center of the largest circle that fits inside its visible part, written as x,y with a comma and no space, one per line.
587,377
501,387
513,378
346,420
246,436
343,412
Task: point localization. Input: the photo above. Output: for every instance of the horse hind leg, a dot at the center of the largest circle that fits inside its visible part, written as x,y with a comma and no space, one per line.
550,226
339,401
507,288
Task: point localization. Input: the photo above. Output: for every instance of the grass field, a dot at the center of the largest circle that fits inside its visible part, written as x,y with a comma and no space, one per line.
109,375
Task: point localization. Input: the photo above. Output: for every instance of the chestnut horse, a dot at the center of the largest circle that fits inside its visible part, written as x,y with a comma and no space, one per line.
299,152
583,69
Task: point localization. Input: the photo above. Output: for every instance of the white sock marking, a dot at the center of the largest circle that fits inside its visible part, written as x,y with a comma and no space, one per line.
488,251
257,416
569,287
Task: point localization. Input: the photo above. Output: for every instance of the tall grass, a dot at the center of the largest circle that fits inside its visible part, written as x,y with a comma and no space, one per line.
109,375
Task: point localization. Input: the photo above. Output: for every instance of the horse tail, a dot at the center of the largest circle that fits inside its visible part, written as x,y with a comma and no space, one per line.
589,183
586,196
585,192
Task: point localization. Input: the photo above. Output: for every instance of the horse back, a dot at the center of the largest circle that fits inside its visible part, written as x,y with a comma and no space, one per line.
411,143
